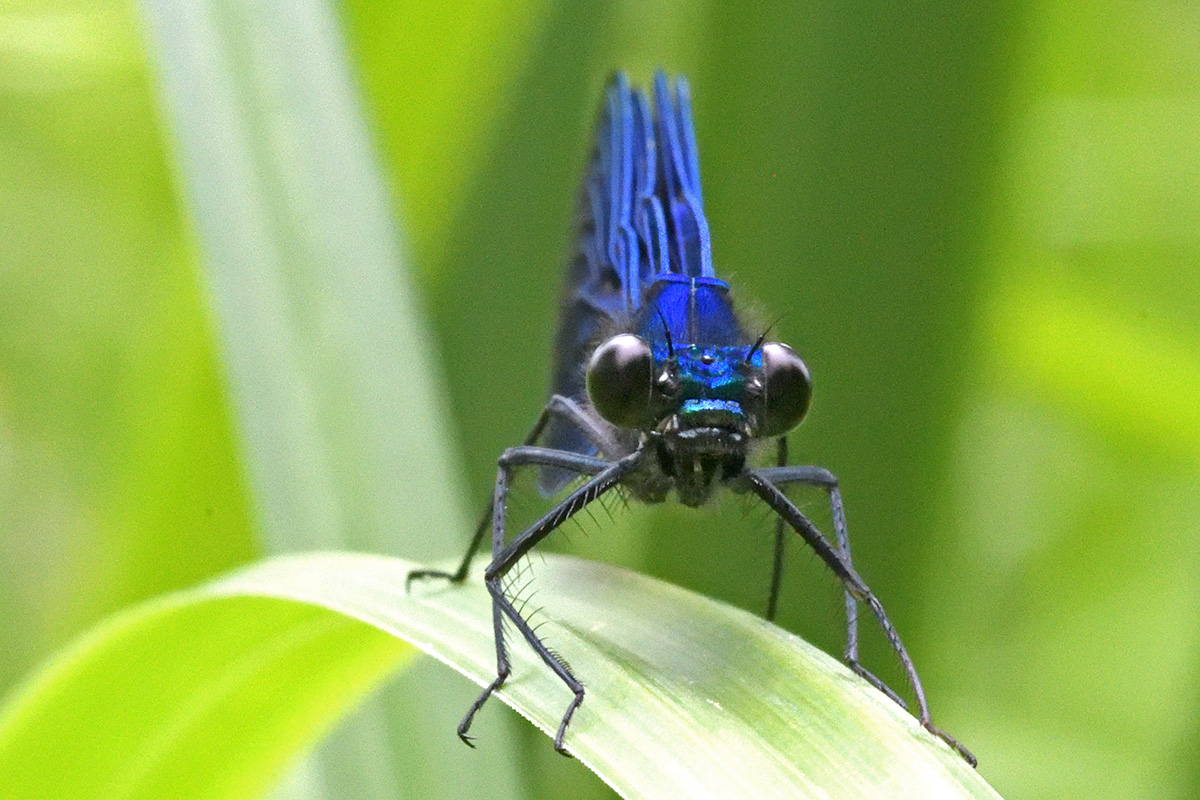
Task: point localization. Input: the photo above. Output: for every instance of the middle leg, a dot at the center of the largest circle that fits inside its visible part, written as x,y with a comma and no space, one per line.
557,407
826,480
762,483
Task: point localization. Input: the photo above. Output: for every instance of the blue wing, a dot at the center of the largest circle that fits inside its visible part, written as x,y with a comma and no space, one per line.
641,215
679,190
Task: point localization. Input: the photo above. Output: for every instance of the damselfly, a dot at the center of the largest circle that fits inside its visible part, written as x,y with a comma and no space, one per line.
657,387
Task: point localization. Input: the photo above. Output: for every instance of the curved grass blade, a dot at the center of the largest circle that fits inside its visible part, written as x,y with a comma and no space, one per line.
328,365
687,697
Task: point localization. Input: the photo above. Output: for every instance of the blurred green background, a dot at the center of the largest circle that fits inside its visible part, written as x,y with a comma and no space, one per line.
978,222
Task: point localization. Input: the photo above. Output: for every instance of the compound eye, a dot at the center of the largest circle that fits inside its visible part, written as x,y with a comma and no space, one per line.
620,379
787,390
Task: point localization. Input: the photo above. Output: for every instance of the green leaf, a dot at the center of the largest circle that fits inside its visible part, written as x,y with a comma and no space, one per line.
215,688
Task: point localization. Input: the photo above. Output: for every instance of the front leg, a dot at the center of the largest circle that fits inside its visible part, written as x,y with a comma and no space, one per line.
759,482
605,476
781,457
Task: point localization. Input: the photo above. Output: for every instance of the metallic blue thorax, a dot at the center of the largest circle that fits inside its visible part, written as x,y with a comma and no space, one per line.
707,344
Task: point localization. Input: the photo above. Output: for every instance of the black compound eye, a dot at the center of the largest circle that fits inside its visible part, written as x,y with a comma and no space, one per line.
620,380
787,390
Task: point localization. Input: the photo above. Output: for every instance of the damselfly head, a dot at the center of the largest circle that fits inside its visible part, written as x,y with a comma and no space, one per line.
699,393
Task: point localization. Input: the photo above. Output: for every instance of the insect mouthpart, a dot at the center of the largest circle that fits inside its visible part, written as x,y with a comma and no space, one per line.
695,455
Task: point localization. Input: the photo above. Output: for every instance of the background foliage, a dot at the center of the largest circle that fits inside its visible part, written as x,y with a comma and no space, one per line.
979,222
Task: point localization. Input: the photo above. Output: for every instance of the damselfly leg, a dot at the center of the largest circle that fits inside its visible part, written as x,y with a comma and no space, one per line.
765,483
604,476
557,407
825,480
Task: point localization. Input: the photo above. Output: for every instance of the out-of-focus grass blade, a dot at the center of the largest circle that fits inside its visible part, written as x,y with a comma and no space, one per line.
328,365
1077,478
112,429
687,697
